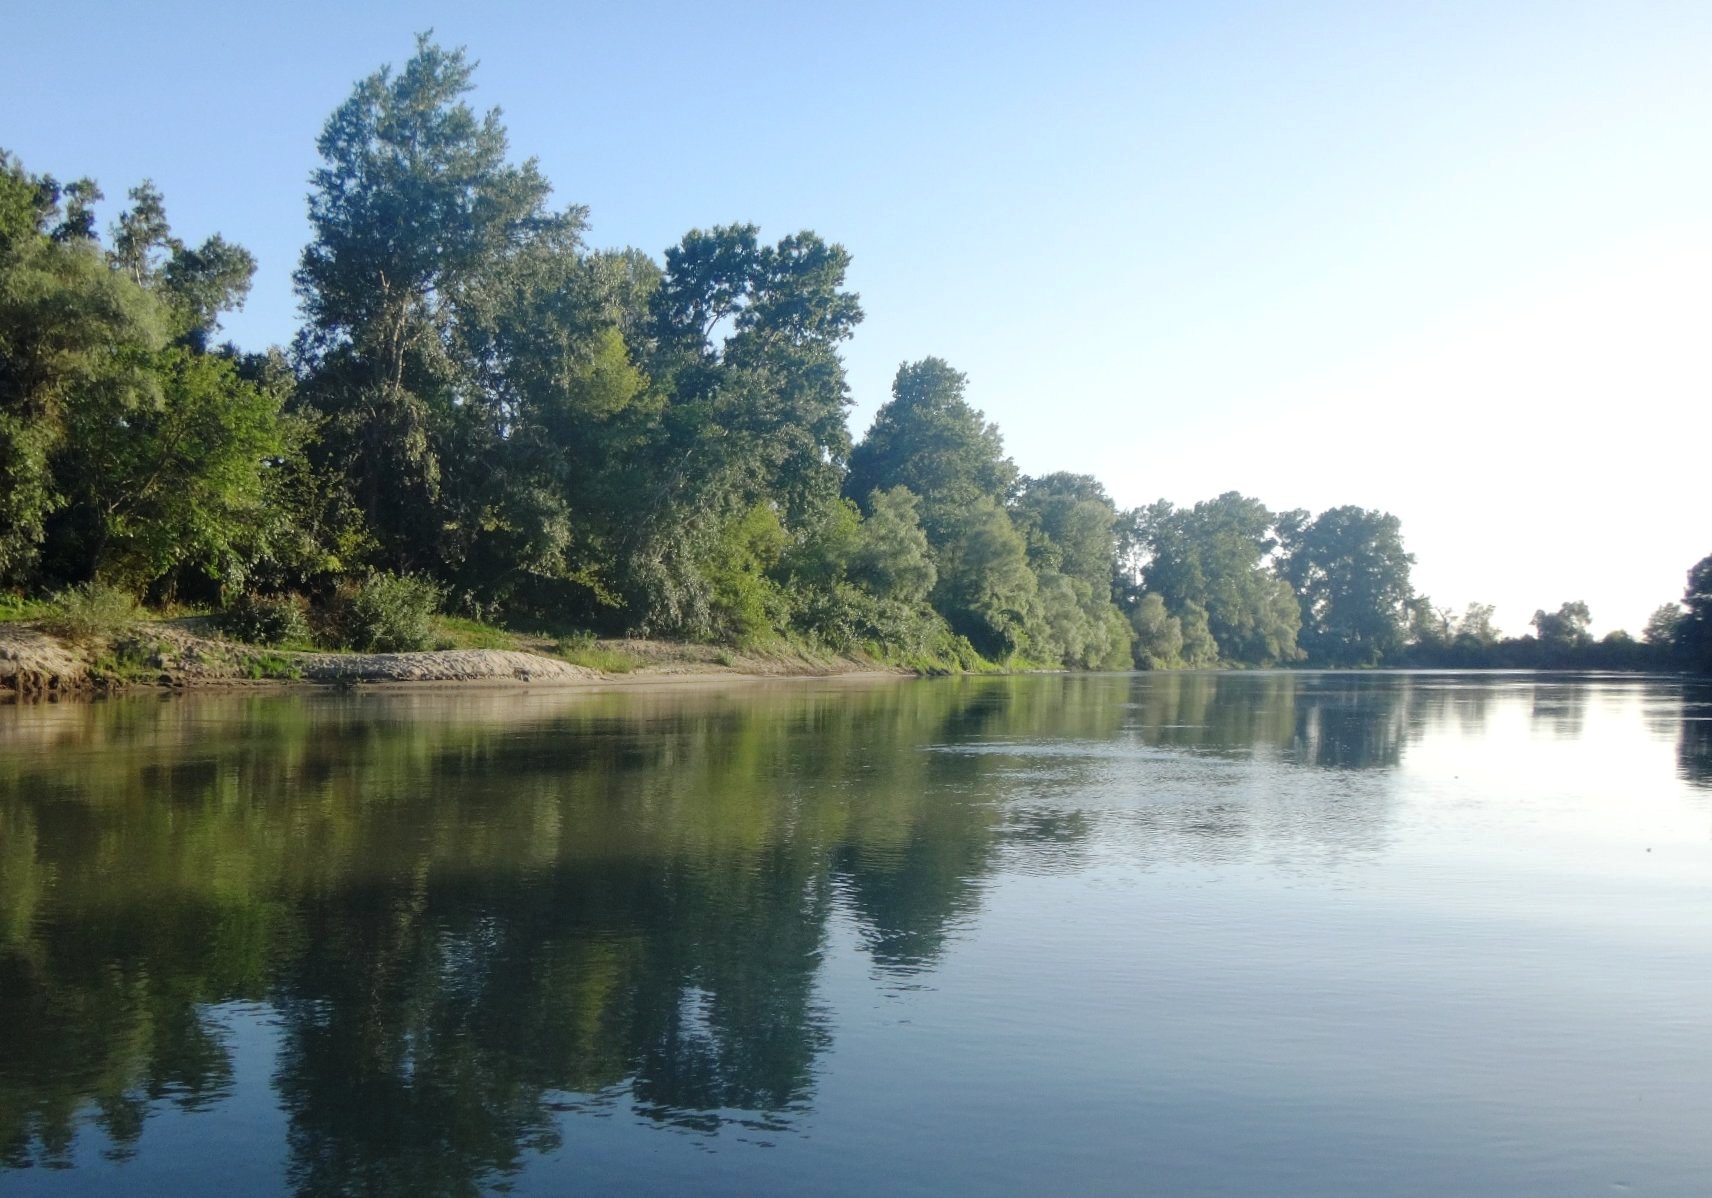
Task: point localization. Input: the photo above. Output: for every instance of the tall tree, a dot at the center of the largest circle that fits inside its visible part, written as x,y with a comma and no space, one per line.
929,439
70,329
1215,556
126,452
1694,633
414,212
1564,630
1069,524
742,345
1662,626
1351,577
986,591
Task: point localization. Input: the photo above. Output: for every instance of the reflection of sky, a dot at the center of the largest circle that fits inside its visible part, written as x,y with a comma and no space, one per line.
1502,994
238,1138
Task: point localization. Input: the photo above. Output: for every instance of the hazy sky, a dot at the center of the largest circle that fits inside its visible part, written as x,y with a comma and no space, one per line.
1450,260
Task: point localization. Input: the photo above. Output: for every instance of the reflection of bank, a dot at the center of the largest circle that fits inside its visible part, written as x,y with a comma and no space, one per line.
1331,720
471,913
1694,741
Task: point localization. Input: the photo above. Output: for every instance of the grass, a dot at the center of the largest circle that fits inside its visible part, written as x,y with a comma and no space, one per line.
129,661
584,651
577,648
456,632
16,608
271,666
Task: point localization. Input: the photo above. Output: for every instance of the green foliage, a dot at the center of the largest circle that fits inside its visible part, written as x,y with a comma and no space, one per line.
1662,626
986,592
1199,646
92,612
15,608
264,619
423,235
1694,632
931,441
458,632
1351,577
168,474
747,604
271,666
390,613
890,557
1564,630
73,334
1214,556
127,659
1158,635
583,650
126,451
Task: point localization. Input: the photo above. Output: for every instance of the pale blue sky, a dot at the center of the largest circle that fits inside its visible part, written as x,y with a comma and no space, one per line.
1437,258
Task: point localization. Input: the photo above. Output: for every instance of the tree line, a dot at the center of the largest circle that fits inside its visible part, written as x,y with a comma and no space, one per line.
535,430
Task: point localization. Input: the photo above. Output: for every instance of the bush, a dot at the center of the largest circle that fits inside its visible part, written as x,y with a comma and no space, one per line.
391,613
94,611
264,619
581,649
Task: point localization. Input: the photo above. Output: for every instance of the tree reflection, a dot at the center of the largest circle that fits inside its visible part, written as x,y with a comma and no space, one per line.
469,922
1333,721
1694,735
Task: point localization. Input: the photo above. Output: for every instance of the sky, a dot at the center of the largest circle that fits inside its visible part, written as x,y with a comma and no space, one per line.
1449,260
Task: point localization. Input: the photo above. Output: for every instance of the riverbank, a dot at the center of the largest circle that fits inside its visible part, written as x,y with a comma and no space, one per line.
185,654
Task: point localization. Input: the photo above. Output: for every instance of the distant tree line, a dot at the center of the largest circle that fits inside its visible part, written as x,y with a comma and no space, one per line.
541,431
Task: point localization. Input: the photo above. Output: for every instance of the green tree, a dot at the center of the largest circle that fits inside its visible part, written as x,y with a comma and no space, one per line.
1158,635
1694,632
1069,524
1565,630
986,591
746,339
1351,578
169,474
1214,556
891,557
416,215
69,330
929,439
1662,626
122,454
197,283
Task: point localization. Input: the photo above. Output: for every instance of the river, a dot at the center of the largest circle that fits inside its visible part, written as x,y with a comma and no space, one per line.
1280,933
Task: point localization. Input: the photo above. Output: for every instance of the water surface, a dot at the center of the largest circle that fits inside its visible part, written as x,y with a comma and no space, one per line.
1182,934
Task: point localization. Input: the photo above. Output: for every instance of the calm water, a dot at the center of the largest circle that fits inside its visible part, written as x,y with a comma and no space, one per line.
1246,934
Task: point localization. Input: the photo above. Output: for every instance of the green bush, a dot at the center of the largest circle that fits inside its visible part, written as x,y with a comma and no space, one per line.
581,649
391,613
271,666
264,619
94,611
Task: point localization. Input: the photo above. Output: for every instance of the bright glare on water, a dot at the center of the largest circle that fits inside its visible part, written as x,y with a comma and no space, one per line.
1180,934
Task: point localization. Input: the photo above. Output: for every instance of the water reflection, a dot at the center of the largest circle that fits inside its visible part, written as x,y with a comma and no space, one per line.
473,914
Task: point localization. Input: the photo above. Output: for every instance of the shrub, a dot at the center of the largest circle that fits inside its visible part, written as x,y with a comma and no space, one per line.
264,619
271,666
391,613
581,649
92,612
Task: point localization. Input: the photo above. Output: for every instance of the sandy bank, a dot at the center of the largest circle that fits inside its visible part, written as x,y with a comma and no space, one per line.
177,654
